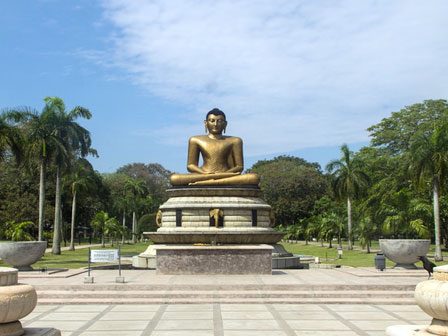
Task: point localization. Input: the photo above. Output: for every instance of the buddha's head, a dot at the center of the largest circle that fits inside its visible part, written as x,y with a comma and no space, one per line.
215,121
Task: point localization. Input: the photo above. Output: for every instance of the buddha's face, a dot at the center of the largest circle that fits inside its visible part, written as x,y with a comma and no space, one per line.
215,124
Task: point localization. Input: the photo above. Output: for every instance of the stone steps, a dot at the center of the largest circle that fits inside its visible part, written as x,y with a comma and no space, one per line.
225,287
223,294
346,300
158,294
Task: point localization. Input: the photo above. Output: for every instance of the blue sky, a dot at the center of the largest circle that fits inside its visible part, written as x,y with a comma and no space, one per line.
294,77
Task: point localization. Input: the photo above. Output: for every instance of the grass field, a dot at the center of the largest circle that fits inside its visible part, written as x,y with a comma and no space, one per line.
79,257
354,258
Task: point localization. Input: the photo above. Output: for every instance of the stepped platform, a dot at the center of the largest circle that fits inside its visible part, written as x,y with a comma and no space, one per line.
305,286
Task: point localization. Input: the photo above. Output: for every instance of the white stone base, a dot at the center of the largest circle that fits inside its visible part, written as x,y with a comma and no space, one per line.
146,259
407,330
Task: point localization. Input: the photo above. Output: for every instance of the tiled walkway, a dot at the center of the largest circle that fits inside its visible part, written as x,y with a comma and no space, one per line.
224,319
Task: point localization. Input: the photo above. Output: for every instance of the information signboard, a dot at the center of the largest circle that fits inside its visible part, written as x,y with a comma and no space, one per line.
104,256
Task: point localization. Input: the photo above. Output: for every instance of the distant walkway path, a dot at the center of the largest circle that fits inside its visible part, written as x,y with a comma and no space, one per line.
334,244
67,248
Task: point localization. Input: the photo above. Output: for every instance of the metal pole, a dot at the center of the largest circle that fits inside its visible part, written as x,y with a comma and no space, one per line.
119,261
89,264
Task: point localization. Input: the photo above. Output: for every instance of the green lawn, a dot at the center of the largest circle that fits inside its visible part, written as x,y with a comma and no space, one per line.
354,258
79,257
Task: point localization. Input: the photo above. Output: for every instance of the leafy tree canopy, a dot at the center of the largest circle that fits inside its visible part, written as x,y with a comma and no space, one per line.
291,186
395,132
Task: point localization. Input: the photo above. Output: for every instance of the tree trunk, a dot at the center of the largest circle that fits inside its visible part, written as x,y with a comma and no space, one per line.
57,218
72,226
438,252
134,228
349,219
124,226
102,240
41,199
368,246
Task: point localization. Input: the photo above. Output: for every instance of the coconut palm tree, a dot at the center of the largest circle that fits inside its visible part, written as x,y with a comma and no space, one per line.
80,179
135,189
429,161
104,225
11,137
348,181
41,142
75,141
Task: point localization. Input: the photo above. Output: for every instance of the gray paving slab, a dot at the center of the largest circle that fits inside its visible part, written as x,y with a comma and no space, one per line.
229,319
224,319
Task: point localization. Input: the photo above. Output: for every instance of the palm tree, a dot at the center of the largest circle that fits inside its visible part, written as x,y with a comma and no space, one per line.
80,180
366,231
11,138
41,142
75,141
403,215
136,189
429,160
348,181
103,225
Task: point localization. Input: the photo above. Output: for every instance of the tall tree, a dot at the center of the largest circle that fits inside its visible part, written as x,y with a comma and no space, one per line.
11,137
41,143
103,225
291,185
348,181
395,133
429,160
135,188
80,179
75,142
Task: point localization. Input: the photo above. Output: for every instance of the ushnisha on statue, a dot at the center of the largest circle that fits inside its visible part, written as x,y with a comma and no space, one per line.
222,156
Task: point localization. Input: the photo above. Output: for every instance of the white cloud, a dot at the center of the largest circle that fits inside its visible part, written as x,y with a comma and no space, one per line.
289,74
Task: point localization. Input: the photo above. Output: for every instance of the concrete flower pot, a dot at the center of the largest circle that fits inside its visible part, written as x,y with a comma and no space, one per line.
404,252
22,255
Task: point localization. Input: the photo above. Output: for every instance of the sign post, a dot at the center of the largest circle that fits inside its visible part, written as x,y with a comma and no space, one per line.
88,278
119,278
104,256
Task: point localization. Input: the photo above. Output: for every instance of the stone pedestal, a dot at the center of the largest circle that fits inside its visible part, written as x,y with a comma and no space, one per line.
221,217
228,259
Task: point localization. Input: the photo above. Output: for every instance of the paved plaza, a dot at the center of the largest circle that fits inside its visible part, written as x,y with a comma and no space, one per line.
245,305
224,319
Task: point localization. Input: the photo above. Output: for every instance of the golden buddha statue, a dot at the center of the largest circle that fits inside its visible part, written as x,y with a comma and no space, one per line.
222,156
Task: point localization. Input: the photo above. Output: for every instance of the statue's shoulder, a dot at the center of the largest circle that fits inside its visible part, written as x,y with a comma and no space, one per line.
233,139
196,138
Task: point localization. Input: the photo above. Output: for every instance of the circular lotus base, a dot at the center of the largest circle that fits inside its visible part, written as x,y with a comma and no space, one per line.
16,302
438,327
11,329
210,237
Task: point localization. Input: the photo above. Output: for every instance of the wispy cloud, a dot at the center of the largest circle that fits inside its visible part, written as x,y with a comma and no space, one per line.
289,74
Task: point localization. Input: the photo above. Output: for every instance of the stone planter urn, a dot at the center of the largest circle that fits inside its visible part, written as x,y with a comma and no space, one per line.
16,302
22,255
432,298
404,252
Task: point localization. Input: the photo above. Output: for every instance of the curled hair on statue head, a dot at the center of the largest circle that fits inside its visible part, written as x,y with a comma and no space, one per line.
215,112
